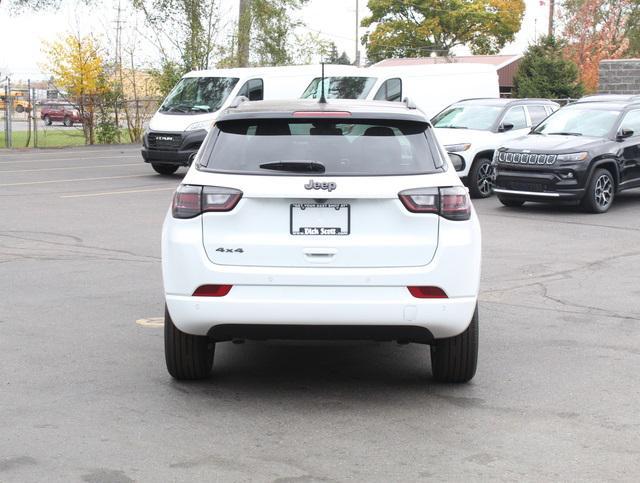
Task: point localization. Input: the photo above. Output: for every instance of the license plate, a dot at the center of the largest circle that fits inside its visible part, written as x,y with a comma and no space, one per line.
320,219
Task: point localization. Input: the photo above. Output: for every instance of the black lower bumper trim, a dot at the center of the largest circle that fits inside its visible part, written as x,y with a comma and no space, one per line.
402,333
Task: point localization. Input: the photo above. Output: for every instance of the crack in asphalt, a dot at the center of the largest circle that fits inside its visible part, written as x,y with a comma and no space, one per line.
76,248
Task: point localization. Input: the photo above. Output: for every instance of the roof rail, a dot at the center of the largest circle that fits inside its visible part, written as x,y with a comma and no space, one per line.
237,101
409,103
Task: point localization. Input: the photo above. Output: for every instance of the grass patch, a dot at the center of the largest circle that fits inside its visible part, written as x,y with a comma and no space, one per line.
53,138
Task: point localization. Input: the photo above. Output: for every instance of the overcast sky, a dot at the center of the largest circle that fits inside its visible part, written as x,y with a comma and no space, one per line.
21,37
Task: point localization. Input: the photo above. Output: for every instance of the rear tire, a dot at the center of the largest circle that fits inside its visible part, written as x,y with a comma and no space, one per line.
47,120
455,359
164,169
67,121
480,178
600,192
510,202
188,356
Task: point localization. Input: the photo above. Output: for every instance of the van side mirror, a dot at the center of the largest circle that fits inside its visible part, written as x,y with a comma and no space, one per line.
624,133
505,126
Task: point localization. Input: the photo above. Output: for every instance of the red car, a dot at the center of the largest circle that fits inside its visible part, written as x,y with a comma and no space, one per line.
65,113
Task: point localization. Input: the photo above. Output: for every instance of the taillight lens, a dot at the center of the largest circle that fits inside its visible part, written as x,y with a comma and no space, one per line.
212,291
452,203
187,201
427,292
190,201
455,203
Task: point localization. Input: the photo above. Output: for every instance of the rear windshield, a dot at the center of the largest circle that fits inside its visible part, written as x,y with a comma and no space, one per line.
324,147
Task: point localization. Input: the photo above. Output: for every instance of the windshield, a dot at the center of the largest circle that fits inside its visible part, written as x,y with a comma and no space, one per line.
579,121
340,88
331,147
460,116
194,95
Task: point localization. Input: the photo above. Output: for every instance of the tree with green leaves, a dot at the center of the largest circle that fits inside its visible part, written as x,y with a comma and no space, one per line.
544,72
266,29
186,26
415,28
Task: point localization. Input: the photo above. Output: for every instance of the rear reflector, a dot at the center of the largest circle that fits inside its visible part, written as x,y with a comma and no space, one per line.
427,292
212,290
321,114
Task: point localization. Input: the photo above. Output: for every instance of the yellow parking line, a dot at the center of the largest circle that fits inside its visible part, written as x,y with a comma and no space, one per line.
70,167
79,158
116,192
151,322
29,183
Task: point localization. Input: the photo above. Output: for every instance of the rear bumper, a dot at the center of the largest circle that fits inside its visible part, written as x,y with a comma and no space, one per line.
298,306
322,295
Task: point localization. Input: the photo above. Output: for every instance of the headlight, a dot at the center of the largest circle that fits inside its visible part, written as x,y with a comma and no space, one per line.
456,148
573,156
199,125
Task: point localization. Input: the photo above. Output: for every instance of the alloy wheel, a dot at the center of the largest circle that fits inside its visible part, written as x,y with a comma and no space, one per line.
485,179
603,190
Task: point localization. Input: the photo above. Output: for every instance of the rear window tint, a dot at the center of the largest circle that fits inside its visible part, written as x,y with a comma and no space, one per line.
342,148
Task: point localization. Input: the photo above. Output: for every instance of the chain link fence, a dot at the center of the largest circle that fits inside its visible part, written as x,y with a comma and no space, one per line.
29,119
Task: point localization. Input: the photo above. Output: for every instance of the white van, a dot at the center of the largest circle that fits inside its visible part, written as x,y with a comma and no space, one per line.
430,87
178,128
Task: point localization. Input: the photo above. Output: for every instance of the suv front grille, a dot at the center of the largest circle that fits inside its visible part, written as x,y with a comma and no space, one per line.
164,140
526,158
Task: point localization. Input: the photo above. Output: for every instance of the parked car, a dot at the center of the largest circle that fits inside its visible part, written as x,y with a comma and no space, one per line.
585,152
471,130
304,220
60,112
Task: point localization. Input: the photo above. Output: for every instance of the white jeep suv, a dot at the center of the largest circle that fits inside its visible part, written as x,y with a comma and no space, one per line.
307,220
471,131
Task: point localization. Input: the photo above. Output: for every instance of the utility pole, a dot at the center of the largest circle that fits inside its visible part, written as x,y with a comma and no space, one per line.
357,55
551,9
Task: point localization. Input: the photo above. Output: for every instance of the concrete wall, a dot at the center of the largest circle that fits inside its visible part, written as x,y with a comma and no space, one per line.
619,76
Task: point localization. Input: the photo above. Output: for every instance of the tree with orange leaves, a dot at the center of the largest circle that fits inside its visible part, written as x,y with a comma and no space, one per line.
596,30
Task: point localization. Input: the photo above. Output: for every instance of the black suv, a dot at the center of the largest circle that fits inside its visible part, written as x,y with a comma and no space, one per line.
585,152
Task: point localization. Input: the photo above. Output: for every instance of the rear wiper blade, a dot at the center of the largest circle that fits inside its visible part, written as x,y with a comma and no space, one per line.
295,166
565,134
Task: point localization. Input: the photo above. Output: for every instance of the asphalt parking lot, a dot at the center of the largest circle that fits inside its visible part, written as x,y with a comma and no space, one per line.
85,395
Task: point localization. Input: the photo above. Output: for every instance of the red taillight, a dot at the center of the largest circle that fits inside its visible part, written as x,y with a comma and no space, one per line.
455,203
212,290
424,200
339,114
452,203
190,201
427,292
187,201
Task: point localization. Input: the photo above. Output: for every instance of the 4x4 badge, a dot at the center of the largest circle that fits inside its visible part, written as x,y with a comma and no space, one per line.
314,185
